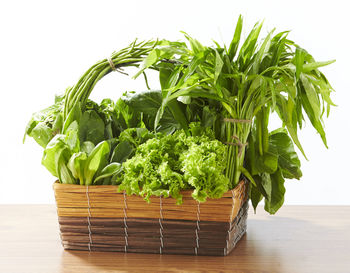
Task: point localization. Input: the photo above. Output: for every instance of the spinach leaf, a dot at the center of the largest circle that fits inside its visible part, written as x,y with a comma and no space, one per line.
270,169
273,204
91,128
148,103
123,151
288,159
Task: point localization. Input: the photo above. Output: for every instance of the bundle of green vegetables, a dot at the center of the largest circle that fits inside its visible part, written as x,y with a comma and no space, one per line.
205,129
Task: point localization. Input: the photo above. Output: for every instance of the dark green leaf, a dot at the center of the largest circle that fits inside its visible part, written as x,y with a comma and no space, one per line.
91,127
123,151
255,197
277,193
288,160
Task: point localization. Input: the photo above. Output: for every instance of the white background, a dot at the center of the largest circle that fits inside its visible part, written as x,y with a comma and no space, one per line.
46,45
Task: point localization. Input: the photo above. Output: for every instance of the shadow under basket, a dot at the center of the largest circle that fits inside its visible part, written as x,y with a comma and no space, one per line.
99,218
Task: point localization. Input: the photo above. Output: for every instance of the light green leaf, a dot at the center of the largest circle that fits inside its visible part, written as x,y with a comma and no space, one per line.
299,61
95,161
72,140
64,174
87,147
41,134
74,115
53,148
311,95
218,65
110,170
76,165
315,65
264,48
236,37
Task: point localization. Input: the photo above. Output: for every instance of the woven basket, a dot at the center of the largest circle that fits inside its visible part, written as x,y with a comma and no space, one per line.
99,218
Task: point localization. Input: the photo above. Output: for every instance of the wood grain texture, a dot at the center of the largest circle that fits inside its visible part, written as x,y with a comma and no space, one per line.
108,202
145,235
297,239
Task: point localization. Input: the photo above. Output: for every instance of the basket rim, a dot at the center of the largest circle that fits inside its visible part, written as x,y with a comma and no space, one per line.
57,186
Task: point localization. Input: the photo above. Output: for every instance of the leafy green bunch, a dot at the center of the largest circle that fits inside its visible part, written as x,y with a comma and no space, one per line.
238,87
89,146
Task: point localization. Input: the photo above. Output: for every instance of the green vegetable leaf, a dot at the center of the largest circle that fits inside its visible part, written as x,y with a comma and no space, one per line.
92,127
218,66
52,152
315,65
74,115
288,160
76,165
108,171
95,161
64,174
255,197
87,147
41,134
123,151
236,37
277,193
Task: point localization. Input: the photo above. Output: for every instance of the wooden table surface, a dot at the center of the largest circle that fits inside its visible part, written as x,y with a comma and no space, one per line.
297,239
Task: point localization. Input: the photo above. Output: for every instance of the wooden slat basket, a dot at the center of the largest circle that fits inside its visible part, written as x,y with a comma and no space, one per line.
99,218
